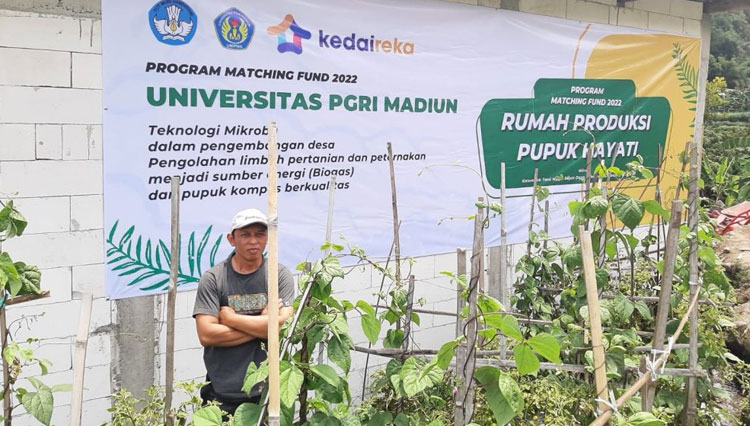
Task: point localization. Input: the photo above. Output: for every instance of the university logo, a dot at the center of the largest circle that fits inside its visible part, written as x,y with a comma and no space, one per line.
173,22
286,30
234,29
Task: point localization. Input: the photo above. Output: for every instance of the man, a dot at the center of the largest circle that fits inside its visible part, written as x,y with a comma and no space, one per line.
231,311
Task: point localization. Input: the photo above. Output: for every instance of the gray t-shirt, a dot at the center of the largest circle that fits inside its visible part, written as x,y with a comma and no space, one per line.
247,294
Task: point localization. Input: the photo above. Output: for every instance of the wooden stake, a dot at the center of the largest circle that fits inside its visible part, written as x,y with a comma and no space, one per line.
396,243
691,406
409,307
171,299
665,294
603,233
329,230
460,303
592,297
496,290
274,383
465,395
7,406
531,215
504,284
79,363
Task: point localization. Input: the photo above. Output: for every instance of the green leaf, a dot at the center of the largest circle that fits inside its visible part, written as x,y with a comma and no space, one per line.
629,210
247,414
39,404
488,304
339,354
366,307
526,361
62,388
322,419
512,393
401,420
207,416
413,379
623,307
653,207
508,324
436,422
595,207
371,327
291,381
383,418
326,373
644,419
393,339
489,377
446,354
254,375
546,346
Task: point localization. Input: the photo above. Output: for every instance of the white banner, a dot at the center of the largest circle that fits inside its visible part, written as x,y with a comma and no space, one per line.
190,87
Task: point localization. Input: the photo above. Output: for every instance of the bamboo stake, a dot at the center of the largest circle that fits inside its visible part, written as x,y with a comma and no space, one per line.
604,417
503,242
329,231
603,234
396,242
531,217
546,221
409,307
7,406
460,303
495,289
171,299
691,407
274,382
465,395
79,363
592,296
665,295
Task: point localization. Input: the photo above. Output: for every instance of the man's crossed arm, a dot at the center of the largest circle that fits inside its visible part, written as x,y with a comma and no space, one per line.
232,329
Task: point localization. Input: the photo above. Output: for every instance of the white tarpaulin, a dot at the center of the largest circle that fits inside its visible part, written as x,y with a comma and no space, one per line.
189,88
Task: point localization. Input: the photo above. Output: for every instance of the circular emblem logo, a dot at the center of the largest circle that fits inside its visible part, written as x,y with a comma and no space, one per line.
173,22
234,29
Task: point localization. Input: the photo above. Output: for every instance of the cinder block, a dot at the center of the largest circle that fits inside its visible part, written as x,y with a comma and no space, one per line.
50,105
692,27
101,313
76,140
188,365
94,411
37,213
659,22
17,142
90,278
51,178
472,2
184,304
87,70
50,32
99,350
56,351
46,323
27,67
48,142
490,3
60,416
186,336
86,212
686,9
57,281
357,278
543,7
423,268
658,6
58,249
587,11
632,18
94,138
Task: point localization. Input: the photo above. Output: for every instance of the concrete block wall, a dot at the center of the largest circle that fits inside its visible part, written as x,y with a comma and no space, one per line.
51,164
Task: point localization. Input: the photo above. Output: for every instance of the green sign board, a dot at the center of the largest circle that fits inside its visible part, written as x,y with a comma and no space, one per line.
554,131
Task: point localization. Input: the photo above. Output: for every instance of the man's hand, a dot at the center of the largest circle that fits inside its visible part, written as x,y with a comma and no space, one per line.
226,314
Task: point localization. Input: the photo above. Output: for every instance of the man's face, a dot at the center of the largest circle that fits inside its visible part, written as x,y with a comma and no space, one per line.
249,242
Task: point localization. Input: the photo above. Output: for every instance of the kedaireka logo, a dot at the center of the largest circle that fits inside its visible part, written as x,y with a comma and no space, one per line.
365,44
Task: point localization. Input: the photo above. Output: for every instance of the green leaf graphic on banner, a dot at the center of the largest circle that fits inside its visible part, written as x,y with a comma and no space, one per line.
554,130
149,264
